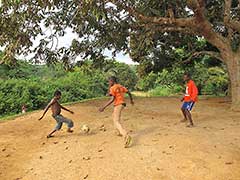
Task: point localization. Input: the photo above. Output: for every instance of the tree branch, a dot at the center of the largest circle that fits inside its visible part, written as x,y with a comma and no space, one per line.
234,25
205,28
163,29
198,24
227,11
227,19
210,53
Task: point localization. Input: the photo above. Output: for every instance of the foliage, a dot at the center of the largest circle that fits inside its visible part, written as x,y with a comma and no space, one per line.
34,85
210,80
217,83
146,83
36,94
125,74
164,90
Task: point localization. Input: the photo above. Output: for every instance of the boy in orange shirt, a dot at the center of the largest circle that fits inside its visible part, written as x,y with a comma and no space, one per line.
189,99
117,91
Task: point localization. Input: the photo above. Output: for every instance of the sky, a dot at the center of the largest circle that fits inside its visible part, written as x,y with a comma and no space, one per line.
69,36
66,41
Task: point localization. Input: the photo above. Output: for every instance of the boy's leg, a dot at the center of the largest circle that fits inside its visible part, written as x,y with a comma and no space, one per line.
69,123
189,118
184,112
51,133
57,128
184,115
188,113
116,120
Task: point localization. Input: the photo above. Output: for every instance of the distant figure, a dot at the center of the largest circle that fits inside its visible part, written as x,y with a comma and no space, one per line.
24,108
117,91
189,99
56,114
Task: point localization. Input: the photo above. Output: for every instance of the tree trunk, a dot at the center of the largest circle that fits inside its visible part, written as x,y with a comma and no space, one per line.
233,65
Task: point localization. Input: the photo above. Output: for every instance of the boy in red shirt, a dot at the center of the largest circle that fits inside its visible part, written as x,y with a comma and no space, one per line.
189,99
117,91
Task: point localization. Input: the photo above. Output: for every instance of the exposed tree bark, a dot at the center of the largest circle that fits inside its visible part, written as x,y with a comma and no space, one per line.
233,66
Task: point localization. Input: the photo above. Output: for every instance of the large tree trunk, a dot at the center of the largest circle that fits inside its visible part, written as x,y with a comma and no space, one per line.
233,65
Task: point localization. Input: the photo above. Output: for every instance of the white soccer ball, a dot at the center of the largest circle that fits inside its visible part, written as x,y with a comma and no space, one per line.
85,128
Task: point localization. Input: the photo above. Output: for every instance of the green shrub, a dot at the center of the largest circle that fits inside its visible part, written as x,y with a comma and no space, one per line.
147,83
217,83
36,94
165,90
168,77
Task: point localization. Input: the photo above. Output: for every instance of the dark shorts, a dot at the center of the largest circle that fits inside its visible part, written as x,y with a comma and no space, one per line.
188,105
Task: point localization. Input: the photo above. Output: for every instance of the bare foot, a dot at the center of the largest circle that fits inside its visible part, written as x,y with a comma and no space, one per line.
183,120
50,136
189,125
69,131
118,134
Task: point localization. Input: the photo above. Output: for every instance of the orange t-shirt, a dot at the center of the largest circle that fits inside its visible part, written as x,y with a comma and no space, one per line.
118,91
191,92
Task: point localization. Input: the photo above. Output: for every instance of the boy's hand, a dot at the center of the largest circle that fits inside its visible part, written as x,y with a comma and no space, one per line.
71,112
40,118
101,109
182,99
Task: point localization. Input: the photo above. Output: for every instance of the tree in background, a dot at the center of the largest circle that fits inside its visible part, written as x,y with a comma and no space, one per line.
110,24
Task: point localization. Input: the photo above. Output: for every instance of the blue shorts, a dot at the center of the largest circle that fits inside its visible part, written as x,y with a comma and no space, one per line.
188,105
60,120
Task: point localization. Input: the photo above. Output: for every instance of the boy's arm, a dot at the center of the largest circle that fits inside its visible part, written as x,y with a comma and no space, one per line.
46,109
131,98
66,109
107,104
194,93
182,99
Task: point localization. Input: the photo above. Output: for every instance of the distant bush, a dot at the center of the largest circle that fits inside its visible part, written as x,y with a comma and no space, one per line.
37,93
165,90
217,83
210,81
147,83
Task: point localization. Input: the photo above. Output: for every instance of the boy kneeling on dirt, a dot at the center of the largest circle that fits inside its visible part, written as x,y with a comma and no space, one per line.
117,91
56,114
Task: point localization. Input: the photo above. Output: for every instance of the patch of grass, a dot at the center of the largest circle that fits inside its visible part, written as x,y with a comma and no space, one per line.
141,94
165,91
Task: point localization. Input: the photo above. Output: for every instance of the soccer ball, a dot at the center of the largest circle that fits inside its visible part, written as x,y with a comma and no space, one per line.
85,128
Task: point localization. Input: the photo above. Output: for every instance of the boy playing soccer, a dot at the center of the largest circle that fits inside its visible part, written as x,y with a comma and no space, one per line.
189,99
56,114
117,91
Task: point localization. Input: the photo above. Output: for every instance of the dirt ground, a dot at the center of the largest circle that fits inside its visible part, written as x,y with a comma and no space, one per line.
163,148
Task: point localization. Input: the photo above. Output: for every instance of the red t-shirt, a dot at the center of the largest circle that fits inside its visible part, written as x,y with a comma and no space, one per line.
191,92
118,92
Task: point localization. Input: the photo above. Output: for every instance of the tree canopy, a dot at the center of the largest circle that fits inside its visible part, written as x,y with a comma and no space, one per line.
118,25
134,27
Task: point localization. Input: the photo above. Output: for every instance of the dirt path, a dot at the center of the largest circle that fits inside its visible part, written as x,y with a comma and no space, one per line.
163,148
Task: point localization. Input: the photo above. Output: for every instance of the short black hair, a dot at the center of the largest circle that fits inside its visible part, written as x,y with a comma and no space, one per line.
187,74
57,93
113,78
